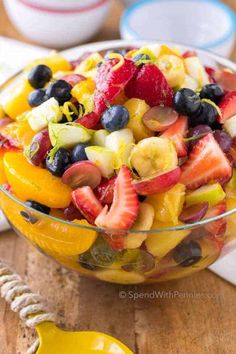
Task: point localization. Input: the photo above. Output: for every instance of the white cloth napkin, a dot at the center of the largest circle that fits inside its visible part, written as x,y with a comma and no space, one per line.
13,56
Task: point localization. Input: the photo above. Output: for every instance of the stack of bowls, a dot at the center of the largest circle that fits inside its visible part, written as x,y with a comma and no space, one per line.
57,23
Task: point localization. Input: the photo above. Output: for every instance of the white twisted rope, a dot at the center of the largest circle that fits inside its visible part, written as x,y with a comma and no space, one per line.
21,299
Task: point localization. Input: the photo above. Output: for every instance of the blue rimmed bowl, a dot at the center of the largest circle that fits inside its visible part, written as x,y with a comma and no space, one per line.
206,24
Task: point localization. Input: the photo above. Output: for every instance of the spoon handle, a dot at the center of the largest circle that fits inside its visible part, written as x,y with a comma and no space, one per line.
21,299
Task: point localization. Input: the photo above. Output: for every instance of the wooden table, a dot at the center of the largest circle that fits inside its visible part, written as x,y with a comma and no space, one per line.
148,326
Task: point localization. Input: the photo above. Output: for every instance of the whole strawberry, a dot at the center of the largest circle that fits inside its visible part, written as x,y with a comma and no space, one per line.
149,84
110,81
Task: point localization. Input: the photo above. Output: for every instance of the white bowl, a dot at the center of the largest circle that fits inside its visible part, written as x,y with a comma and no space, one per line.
206,24
55,25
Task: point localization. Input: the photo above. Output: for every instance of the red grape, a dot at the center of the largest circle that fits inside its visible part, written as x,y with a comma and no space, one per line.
194,213
39,147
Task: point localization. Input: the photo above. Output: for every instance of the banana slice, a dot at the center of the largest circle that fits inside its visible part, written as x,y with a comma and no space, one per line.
120,276
153,155
144,222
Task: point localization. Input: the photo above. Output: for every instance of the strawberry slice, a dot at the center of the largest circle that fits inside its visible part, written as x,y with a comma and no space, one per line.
206,163
217,227
226,78
105,191
176,133
150,84
87,203
115,240
89,121
110,81
227,107
73,79
211,73
125,205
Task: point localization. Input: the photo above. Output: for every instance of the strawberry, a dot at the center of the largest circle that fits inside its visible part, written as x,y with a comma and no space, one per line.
105,191
176,132
115,240
227,107
217,227
111,81
189,54
125,205
87,203
89,121
226,78
149,84
206,163
73,79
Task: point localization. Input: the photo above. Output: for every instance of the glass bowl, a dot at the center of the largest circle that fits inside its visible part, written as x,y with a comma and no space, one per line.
149,256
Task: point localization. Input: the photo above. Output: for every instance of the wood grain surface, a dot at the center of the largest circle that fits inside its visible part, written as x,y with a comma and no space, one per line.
193,315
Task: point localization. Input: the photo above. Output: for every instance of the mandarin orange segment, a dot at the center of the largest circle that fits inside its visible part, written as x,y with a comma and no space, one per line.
32,182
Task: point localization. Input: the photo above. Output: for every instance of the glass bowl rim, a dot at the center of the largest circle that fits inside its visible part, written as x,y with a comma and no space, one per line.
105,45
116,231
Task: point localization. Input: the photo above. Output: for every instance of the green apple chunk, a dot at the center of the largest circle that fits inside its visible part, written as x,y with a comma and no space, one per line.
212,194
68,135
121,142
99,137
40,116
161,243
104,158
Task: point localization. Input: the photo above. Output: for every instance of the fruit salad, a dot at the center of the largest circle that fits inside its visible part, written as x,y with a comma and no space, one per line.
120,165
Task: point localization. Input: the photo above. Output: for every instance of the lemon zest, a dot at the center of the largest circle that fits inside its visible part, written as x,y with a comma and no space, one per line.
119,57
68,109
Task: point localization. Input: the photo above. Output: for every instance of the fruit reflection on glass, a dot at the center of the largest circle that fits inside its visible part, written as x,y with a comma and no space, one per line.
121,166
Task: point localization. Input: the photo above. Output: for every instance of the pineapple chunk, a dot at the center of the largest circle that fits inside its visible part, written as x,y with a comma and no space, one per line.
14,98
55,62
137,108
161,243
168,205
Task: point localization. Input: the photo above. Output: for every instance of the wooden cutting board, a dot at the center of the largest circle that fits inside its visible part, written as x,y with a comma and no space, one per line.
193,315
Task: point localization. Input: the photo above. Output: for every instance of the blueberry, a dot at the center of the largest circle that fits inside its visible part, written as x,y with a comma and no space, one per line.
187,253
115,118
38,206
78,152
59,163
207,115
37,97
39,76
141,59
212,92
187,102
121,51
60,90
